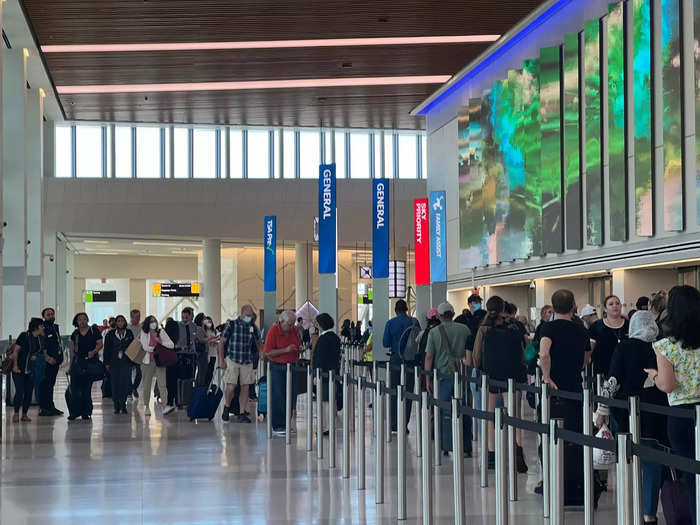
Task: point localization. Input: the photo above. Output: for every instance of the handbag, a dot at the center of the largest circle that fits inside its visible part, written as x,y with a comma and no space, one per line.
675,501
164,356
604,459
88,369
7,366
135,352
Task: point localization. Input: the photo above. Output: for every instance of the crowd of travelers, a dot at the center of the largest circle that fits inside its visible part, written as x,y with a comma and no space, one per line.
652,351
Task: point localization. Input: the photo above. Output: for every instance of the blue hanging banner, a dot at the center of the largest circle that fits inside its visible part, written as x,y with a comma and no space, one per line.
380,228
327,219
270,240
438,237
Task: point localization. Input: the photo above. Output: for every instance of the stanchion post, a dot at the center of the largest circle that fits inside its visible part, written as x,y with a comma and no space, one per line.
288,405
624,500
419,419
427,469
268,416
437,456
331,419
319,414
360,435
457,461
512,474
544,410
637,511
484,432
402,378
697,458
556,449
387,406
379,446
588,494
401,451
501,482
346,425
309,410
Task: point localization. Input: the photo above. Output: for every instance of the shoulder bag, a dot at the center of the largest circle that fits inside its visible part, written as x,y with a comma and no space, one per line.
164,356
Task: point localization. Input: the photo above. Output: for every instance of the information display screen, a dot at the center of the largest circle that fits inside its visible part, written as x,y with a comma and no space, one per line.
176,290
101,296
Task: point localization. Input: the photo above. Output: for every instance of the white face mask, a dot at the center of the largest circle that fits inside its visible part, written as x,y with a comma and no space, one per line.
207,324
154,326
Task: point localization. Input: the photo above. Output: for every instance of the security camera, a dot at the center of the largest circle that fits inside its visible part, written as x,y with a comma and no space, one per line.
51,258
532,285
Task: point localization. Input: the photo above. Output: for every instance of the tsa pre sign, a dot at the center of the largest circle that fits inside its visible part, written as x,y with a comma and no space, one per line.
438,237
327,219
380,228
270,241
420,235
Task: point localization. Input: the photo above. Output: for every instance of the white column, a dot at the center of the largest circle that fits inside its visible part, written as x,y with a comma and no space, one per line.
49,274
211,282
69,282
14,254
423,302
33,166
303,278
618,285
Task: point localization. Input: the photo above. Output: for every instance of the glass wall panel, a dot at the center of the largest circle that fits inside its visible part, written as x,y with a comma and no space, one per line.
147,152
424,159
359,155
182,153
328,144
258,154
236,157
408,157
278,166
204,149
88,152
63,153
572,134
340,155
109,152
310,154
122,152
388,155
289,160
592,108
378,159
167,152
696,44
641,50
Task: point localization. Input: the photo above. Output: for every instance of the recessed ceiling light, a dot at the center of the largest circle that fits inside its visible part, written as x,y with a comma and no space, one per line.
254,84
176,244
93,241
269,44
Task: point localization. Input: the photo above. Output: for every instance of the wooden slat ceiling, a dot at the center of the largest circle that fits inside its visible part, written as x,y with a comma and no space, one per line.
155,21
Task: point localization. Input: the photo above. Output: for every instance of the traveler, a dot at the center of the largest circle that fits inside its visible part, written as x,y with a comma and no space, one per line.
627,378
209,339
432,320
86,343
546,315
326,358
474,303
445,348
53,352
499,351
658,308
393,331
464,318
119,365
237,340
642,303
607,334
588,315
187,359
282,346
104,327
477,316
25,349
135,328
151,336
678,371
345,332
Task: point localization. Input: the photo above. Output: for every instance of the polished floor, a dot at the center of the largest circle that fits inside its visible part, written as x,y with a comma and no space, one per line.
136,470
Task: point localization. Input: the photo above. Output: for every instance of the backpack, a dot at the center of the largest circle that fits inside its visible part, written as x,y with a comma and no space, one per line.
409,342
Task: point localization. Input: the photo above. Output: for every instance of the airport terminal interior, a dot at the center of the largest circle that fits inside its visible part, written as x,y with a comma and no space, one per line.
350,262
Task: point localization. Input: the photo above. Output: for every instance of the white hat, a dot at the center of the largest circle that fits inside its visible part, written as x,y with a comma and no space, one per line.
445,308
588,310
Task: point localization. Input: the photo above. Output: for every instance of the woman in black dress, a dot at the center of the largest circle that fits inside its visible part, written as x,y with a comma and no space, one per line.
607,333
25,349
326,358
86,343
118,364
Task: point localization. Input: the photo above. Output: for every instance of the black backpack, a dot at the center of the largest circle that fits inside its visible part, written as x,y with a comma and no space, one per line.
409,343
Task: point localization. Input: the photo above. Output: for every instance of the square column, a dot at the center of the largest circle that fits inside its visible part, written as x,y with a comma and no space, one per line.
211,271
33,166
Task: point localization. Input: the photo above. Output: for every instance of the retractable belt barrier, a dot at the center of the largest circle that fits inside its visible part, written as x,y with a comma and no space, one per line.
553,434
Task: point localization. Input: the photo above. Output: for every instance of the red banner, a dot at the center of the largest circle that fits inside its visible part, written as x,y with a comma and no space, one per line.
421,235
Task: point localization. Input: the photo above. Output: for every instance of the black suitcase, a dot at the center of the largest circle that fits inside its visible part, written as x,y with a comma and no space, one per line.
185,390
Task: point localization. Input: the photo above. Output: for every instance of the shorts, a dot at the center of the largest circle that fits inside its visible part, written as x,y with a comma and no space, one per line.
237,373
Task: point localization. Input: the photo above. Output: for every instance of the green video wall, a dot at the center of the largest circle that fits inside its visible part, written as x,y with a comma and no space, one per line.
560,150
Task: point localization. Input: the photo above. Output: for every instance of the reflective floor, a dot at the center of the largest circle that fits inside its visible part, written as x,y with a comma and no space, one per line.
137,470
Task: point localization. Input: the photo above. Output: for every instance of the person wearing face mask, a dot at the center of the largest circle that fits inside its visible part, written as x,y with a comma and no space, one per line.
607,333
208,349
151,336
53,354
86,343
24,350
237,340
119,365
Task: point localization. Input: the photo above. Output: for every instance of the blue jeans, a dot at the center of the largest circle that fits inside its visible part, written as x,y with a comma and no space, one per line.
445,393
652,479
278,384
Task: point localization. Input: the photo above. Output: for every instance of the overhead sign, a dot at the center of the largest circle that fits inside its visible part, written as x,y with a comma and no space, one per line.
365,272
270,240
176,290
327,219
100,296
397,279
438,237
380,228
422,242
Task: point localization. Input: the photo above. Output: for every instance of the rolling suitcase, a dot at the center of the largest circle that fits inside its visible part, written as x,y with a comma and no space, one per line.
185,390
262,396
205,402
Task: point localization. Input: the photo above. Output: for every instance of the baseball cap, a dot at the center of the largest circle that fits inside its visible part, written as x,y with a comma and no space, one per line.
445,308
433,312
587,310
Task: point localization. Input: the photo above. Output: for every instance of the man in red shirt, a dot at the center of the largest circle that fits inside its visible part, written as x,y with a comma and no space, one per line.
282,346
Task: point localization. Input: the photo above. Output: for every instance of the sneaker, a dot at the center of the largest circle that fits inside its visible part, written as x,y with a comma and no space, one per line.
86,418
538,488
15,418
279,432
147,412
72,418
135,394
124,411
117,411
57,412
244,419
225,415
45,413
26,418
168,409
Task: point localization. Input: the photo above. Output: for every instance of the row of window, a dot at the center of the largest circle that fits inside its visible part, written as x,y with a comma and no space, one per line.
147,152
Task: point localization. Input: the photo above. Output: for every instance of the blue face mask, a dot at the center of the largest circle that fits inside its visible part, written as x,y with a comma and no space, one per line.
477,307
247,319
